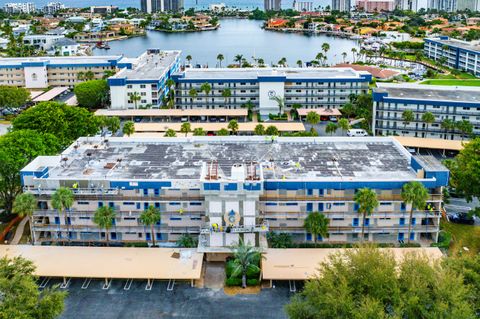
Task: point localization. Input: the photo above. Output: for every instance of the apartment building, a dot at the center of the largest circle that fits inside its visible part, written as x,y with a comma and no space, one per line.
53,7
390,101
341,5
43,72
375,5
19,7
147,79
272,5
309,87
303,6
458,54
221,188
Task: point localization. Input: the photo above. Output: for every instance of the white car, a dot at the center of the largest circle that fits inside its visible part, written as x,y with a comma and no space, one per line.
355,132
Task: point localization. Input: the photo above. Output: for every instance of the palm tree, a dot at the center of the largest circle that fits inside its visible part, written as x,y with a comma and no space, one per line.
465,127
62,200
331,128
299,63
344,124
226,94
344,56
223,132
366,199
104,217
319,57
283,62
188,58
207,88
25,205
313,118
447,125
193,93
128,128
199,132
354,51
113,124
150,217
316,224
259,129
415,194
220,58
186,128
89,75
407,117
169,83
135,97
238,58
261,62
325,49
233,126
272,130
170,133
281,103
246,257
80,76
427,118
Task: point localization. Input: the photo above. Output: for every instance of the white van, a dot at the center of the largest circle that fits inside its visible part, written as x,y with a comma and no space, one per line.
356,132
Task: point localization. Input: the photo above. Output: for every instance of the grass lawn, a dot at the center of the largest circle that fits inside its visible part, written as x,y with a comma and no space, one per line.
453,82
463,236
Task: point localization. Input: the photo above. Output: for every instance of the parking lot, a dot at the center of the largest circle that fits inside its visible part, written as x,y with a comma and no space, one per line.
182,302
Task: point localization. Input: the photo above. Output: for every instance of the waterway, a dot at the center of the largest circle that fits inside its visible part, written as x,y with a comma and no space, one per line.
236,36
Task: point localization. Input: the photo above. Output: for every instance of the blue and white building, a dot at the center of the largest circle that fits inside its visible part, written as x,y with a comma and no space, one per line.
147,78
220,187
458,54
310,87
444,102
44,72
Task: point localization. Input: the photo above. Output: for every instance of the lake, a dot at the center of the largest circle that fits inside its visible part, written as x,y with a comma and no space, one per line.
236,36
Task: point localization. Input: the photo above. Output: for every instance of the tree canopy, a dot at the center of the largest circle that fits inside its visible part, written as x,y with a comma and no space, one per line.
20,296
465,170
92,94
66,122
17,149
11,96
367,282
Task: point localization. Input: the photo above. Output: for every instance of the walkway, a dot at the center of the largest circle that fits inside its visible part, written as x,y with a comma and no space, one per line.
214,275
19,231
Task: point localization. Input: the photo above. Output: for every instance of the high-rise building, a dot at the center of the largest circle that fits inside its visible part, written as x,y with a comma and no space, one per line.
443,5
303,6
173,5
272,5
375,5
150,6
341,5
472,5
19,7
53,7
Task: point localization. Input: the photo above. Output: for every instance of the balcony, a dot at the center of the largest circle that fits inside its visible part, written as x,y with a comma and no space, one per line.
396,197
263,228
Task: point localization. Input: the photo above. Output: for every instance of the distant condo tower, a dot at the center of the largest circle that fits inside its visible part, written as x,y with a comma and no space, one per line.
341,5
273,5
303,6
151,6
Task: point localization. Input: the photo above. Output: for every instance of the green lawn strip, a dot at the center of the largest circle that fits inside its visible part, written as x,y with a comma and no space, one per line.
463,236
452,82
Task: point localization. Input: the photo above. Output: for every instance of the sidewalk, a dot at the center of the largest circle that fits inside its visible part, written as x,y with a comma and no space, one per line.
19,231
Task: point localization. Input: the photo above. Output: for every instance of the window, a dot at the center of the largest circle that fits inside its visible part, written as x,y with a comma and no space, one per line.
129,218
83,203
402,221
143,86
355,222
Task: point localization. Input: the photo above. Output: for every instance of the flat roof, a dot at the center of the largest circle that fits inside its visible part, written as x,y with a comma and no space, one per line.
320,111
51,94
215,127
430,92
304,263
172,112
294,158
150,65
431,143
34,94
109,262
61,60
458,43
72,101
254,73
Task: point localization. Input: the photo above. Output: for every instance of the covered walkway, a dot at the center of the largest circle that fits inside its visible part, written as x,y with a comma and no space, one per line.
110,263
302,263
431,143
215,127
176,114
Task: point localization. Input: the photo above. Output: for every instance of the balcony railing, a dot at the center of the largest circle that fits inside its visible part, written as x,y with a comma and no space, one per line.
333,198
263,228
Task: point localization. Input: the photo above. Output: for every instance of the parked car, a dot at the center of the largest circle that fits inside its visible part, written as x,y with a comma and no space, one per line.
461,218
333,119
137,119
355,132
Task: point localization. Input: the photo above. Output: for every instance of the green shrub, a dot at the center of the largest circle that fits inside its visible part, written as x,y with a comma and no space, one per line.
141,244
405,245
253,282
229,268
253,274
230,282
444,239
